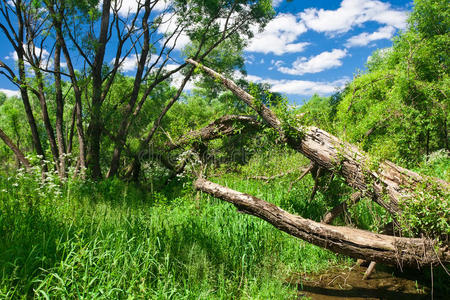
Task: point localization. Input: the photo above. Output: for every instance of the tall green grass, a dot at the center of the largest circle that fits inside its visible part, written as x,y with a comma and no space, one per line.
112,240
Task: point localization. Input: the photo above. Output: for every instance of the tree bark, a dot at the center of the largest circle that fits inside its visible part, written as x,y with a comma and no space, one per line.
46,118
125,124
356,243
94,131
20,156
386,183
224,126
135,166
57,17
59,113
339,209
24,89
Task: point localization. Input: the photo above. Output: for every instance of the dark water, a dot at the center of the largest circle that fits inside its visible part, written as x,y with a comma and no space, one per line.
384,283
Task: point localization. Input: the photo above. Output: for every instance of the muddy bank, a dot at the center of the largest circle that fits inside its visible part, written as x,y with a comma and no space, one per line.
384,283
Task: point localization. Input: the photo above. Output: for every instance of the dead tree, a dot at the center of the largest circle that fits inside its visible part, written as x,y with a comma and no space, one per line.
385,183
355,243
224,126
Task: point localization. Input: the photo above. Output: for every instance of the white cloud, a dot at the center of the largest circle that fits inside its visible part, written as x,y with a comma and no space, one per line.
279,36
301,87
253,78
178,78
276,3
129,7
353,13
323,61
307,88
10,93
365,38
43,53
168,26
381,52
129,63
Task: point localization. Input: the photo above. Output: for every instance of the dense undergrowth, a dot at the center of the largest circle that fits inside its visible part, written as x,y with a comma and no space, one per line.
110,239
113,240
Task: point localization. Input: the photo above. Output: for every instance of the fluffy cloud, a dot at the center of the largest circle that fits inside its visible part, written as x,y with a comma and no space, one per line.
323,61
43,53
301,87
178,78
276,3
279,36
168,26
10,93
365,38
129,63
129,7
352,13
305,87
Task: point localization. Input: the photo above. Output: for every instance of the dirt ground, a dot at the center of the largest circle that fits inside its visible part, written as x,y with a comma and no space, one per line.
384,283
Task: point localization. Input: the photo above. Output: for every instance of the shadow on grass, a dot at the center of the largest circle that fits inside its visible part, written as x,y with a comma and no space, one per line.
29,245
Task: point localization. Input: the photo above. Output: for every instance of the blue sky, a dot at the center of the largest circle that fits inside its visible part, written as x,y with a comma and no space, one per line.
317,46
310,47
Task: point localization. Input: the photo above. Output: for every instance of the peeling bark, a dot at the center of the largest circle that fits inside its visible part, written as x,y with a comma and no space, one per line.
224,126
356,243
386,183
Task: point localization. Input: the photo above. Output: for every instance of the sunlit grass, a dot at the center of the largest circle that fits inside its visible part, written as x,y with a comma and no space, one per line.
111,240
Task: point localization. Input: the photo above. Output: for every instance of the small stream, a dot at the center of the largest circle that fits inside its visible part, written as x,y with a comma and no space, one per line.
384,283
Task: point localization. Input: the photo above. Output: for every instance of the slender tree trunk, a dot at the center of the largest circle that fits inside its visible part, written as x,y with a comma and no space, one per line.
78,110
19,155
135,165
95,126
125,124
60,113
24,90
71,130
57,16
46,118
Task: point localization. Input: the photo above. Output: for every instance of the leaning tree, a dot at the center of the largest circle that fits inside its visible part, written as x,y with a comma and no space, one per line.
385,183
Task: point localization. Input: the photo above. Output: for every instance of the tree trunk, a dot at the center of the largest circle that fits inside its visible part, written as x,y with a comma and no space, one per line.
59,113
386,183
94,131
46,118
356,243
224,126
125,124
135,166
19,155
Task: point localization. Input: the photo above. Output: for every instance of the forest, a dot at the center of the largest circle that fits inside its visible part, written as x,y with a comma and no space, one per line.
117,186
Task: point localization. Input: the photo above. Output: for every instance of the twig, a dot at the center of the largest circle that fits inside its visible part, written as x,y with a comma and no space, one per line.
307,170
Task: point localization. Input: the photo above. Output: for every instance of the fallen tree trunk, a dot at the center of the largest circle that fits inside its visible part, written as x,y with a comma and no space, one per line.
356,243
341,208
224,126
384,182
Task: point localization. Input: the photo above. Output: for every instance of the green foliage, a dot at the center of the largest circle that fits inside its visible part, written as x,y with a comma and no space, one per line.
398,109
428,212
436,165
319,111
